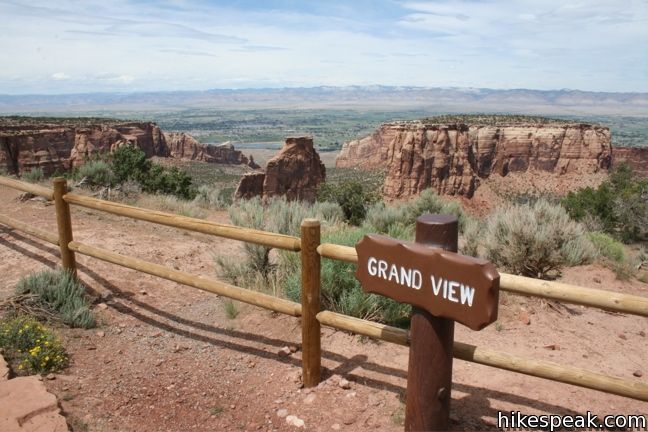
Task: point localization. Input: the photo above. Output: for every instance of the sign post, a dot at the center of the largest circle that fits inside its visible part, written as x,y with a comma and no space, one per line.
429,374
442,287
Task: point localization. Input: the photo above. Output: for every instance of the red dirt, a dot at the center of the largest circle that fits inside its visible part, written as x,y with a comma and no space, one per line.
167,358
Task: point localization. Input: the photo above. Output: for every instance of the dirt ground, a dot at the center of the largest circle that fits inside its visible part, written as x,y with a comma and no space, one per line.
166,357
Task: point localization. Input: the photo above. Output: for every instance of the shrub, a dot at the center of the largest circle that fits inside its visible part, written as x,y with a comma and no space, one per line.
285,217
211,197
280,216
328,212
385,219
230,309
96,173
471,237
340,290
251,214
380,217
130,163
608,247
167,181
34,176
31,346
620,205
614,255
430,202
351,195
61,292
535,240
171,204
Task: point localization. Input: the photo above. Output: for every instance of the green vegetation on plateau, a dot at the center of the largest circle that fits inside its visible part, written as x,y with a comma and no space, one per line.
36,122
496,120
329,127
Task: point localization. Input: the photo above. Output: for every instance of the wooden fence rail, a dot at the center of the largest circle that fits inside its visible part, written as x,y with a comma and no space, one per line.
312,250
27,187
463,351
21,226
264,238
607,300
206,284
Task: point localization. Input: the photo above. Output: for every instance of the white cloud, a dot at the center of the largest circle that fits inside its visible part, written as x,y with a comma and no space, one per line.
59,76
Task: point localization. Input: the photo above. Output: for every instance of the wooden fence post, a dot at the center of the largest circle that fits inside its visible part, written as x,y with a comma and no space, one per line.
429,377
310,299
64,222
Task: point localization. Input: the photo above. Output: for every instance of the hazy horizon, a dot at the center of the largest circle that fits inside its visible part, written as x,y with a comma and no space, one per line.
132,46
316,87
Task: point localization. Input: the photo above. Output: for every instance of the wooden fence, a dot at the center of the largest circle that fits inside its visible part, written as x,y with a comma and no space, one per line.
312,250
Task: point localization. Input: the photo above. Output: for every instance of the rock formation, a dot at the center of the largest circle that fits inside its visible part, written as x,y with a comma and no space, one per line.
184,146
635,157
63,146
105,138
26,405
250,185
296,173
453,158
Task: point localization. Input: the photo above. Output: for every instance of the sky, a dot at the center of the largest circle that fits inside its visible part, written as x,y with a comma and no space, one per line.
65,46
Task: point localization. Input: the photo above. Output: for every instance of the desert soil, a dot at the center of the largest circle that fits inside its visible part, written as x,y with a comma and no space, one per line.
166,357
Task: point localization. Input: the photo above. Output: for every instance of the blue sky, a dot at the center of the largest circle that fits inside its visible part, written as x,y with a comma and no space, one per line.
124,45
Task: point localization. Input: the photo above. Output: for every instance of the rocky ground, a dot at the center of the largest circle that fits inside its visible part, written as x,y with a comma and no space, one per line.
26,405
169,358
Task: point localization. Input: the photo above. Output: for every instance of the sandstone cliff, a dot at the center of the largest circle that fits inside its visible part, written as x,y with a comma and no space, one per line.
55,147
295,173
452,158
635,157
107,138
184,146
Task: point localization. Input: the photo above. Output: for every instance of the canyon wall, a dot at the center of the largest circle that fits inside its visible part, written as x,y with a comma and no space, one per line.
453,158
61,147
184,146
635,157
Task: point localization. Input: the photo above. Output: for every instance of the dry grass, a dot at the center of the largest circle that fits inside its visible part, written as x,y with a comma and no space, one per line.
171,204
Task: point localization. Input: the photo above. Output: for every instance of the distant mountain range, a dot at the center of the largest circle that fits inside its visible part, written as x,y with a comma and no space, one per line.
564,102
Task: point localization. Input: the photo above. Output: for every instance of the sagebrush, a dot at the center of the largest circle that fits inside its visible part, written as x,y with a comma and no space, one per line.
535,240
278,215
61,292
96,173
399,220
340,290
35,175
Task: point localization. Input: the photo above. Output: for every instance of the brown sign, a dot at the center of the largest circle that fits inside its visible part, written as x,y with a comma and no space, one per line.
446,284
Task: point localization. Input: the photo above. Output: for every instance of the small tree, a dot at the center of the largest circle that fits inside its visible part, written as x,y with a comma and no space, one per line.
130,163
619,205
353,197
